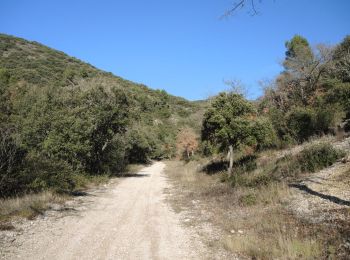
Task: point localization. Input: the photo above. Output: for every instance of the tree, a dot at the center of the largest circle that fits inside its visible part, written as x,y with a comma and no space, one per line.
303,70
310,96
11,160
341,60
231,122
299,55
109,112
138,146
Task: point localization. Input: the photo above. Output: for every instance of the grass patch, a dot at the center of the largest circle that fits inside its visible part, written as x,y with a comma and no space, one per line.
28,206
273,234
270,238
248,199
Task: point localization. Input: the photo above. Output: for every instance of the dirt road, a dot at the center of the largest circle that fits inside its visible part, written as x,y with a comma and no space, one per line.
128,220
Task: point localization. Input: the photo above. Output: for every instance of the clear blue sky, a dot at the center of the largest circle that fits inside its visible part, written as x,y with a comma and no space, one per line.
181,45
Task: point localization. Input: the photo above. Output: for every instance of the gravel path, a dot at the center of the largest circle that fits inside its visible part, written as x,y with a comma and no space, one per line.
127,220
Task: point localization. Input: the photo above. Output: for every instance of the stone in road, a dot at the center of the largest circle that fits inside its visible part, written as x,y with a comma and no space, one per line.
130,220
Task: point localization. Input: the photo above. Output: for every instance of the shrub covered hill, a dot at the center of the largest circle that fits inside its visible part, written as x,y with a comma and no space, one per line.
62,120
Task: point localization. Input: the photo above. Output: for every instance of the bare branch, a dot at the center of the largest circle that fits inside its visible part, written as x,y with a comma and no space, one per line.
234,8
237,87
253,8
239,5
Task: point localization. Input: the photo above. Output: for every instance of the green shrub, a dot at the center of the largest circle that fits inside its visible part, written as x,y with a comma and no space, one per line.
339,93
11,162
264,133
317,157
44,173
301,122
311,159
248,199
305,122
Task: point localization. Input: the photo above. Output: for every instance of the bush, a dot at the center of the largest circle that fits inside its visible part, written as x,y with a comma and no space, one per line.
318,156
250,180
11,162
264,134
305,122
138,147
339,93
42,173
301,122
311,159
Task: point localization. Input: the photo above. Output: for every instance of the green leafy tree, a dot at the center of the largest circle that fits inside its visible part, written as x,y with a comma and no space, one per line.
298,47
138,146
231,123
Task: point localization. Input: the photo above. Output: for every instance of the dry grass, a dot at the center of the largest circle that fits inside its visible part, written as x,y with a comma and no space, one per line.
272,234
278,247
252,220
28,206
344,177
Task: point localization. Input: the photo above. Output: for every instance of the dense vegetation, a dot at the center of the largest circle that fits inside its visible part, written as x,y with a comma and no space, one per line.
309,98
62,120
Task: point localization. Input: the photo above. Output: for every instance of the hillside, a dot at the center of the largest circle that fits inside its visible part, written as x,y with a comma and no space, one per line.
32,63
61,111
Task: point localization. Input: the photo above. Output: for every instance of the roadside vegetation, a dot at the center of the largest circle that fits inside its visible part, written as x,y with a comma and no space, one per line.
251,208
256,151
64,122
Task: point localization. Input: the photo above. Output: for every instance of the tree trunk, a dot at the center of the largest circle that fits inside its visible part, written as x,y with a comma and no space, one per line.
230,157
104,146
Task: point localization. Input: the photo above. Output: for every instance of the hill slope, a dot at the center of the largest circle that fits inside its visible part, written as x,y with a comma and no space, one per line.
74,118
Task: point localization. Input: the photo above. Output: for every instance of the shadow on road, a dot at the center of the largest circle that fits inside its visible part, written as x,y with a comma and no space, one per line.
78,193
128,175
321,195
